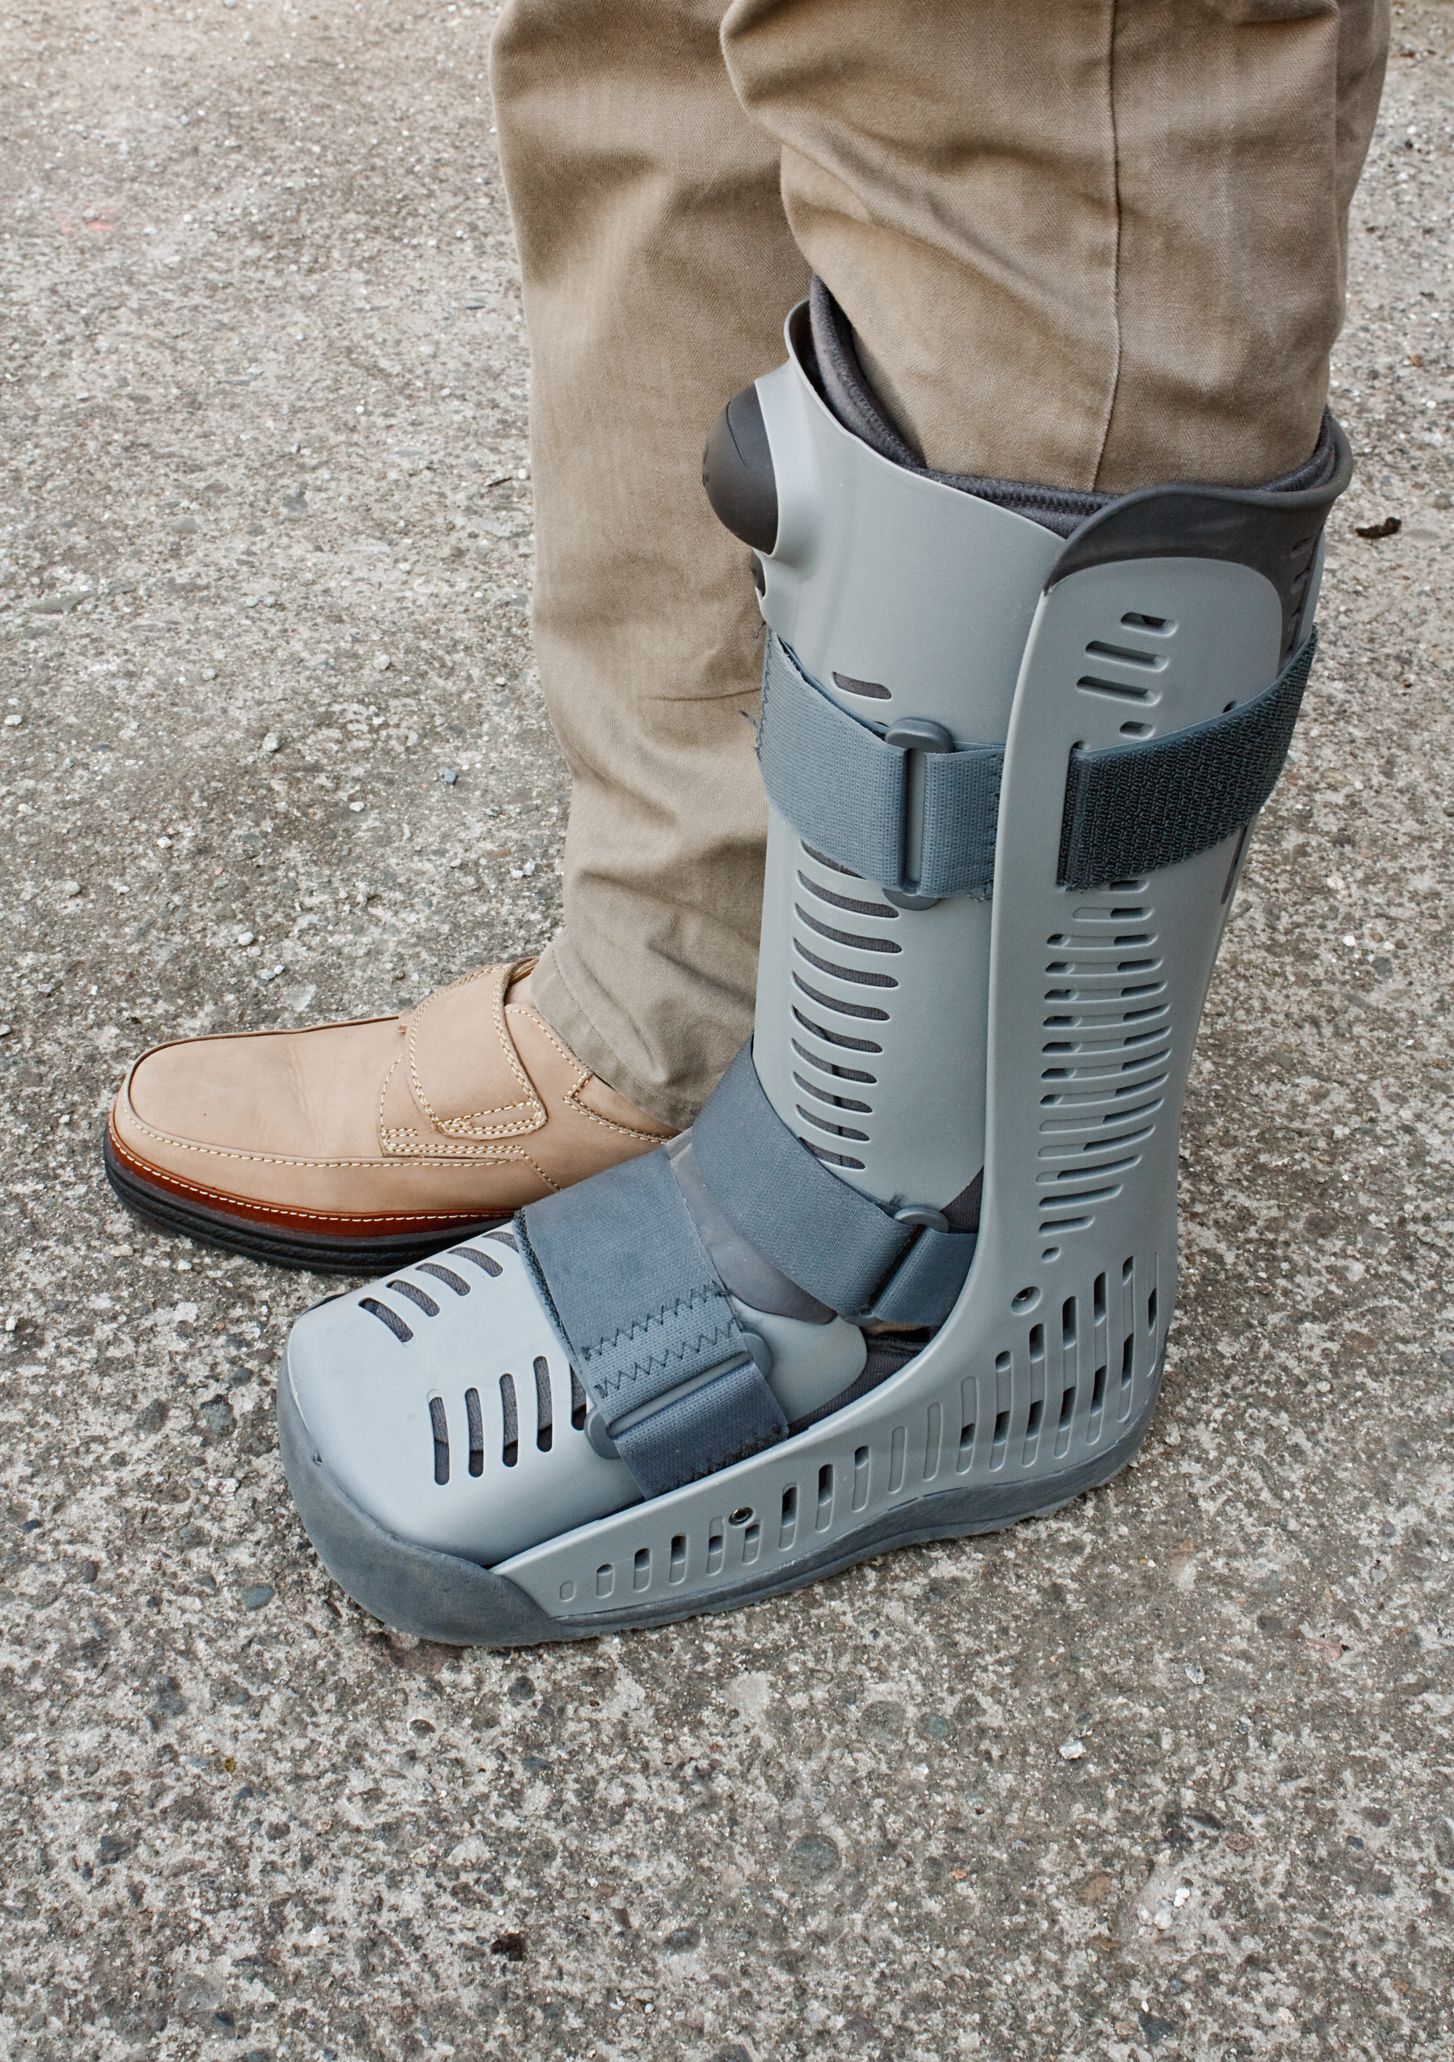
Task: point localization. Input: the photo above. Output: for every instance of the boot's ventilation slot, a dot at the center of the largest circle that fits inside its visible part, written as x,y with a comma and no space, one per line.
1126,655
578,1403
848,902
544,1408
475,1419
439,1428
845,1009
486,1262
861,977
839,1102
871,690
787,1528
446,1275
898,1443
402,1286
1121,690
1067,1413
833,1069
833,1159
387,1316
836,1037
859,941
510,1443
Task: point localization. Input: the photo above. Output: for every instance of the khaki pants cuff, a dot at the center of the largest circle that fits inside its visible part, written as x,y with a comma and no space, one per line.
556,987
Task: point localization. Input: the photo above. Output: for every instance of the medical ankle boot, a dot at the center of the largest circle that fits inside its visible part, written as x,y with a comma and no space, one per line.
910,1274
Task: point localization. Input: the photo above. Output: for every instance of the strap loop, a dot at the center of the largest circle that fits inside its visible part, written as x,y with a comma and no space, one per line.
620,1267
853,795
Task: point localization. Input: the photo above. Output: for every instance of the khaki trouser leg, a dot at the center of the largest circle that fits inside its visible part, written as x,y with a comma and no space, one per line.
1093,243
658,269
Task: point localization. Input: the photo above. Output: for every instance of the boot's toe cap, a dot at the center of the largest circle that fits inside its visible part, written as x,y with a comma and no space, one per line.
441,1404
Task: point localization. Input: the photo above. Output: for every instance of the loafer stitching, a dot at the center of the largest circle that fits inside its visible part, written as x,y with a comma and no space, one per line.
468,1125
194,1188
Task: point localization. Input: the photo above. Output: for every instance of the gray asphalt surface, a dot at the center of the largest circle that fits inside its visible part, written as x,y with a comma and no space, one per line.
1166,1775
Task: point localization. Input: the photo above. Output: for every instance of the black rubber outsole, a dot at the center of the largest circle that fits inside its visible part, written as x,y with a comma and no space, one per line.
316,1253
439,1596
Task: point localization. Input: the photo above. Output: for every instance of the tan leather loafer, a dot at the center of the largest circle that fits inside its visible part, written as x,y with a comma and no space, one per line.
360,1146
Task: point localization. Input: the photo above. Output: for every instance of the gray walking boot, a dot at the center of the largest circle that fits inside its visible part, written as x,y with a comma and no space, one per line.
910,1274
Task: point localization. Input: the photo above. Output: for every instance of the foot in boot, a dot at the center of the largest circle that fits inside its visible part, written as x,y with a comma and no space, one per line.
361,1145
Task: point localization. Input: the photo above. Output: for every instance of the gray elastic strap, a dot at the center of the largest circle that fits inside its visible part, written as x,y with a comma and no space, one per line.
1132,808
620,1267
846,790
831,1239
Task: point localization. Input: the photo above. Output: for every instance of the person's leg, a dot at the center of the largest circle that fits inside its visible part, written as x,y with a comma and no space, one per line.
1080,242
657,270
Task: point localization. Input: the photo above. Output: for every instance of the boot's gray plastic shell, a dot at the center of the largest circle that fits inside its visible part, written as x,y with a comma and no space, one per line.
1045,1035
908,602
1050,1358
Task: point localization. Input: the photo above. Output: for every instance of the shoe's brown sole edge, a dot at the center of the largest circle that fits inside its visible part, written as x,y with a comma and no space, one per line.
318,1253
439,1596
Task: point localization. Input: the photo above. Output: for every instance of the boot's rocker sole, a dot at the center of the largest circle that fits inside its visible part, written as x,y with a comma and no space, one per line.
444,1597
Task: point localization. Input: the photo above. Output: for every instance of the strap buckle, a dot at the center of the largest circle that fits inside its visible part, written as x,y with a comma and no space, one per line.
914,736
925,1280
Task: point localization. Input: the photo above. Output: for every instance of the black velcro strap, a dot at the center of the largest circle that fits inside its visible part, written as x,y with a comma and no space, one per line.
1132,808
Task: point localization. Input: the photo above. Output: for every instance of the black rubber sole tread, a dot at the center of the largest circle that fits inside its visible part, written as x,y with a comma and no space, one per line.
318,1254
443,1597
